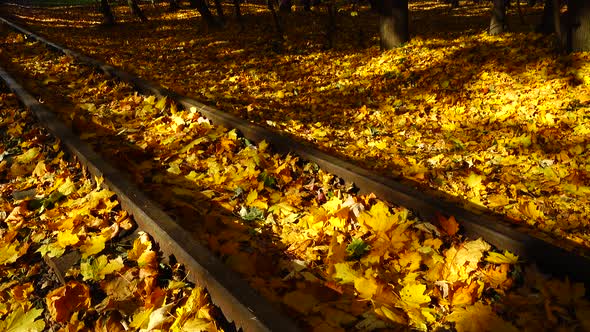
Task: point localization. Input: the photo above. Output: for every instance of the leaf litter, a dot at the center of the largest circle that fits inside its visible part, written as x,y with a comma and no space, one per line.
52,209
496,120
335,260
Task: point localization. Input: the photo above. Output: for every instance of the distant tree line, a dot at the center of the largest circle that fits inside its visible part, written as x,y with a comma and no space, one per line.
572,28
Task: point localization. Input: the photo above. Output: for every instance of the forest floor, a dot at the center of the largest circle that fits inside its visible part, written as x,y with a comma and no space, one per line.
500,121
70,254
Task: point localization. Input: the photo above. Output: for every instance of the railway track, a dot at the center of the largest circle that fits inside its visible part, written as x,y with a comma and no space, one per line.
238,301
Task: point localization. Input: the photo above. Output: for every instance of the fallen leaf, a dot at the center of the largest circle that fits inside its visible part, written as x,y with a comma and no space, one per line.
62,302
478,317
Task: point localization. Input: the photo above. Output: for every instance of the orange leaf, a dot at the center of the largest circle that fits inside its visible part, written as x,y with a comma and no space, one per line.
64,301
465,295
450,226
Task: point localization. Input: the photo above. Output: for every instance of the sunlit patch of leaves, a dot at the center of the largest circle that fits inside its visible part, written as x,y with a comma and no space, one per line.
414,111
51,209
287,227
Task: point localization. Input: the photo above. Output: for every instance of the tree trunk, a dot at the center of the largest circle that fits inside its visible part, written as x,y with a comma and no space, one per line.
238,14
393,23
219,9
375,5
561,38
203,9
547,25
275,17
498,22
579,25
173,5
135,10
107,13
331,26
306,5
285,6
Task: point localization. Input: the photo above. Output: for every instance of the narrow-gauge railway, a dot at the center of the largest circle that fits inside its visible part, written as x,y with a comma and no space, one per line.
235,298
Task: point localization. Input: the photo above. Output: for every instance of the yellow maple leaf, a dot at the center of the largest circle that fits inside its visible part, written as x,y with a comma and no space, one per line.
380,144
474,182
196,307
410,260
67,238
465,295
141,318
479,317
498,258
140,245
332,205
366,287
531,210
345,273
393,314
462,261
28,156
252,196
51,250
497,200
378,218
413,295
40,170
496,276
21,321
67,187
9,253
93,245
97,269
337,223
90,202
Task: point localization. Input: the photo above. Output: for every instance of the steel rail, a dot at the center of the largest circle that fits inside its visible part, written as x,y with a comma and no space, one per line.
237,300
555,256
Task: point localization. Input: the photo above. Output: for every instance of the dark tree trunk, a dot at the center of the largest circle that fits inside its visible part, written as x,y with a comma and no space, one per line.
331,26
219,10
285,6
361,33
547,25
557,25
173,5
203,9
498,22
107,13
276,19
375,5
306,5
579,25
520,14
135,10
393,23
238,14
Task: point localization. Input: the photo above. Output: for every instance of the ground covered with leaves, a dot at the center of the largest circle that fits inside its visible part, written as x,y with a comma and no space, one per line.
334,260
69,257
500,121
